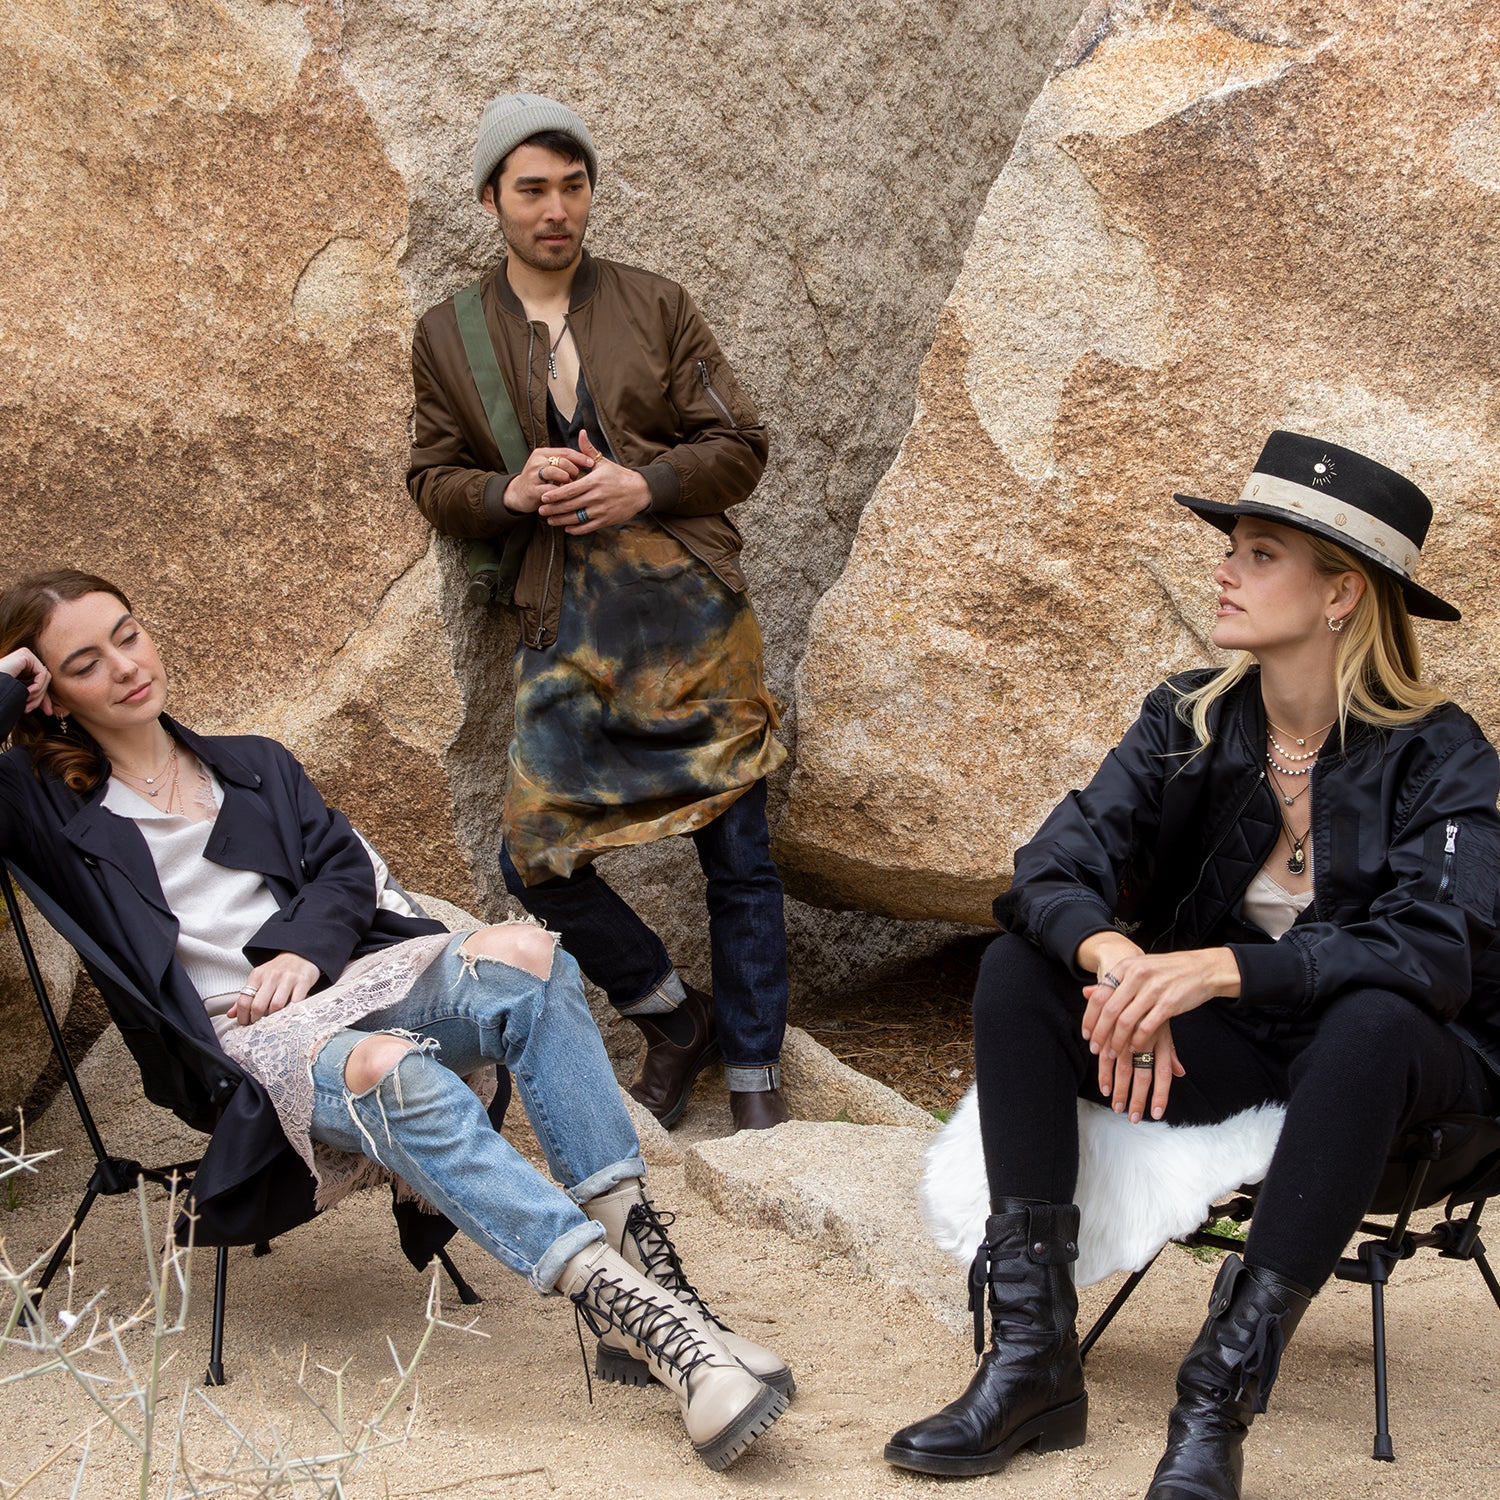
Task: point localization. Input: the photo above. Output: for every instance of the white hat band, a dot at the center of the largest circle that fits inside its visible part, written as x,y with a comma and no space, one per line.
1364,532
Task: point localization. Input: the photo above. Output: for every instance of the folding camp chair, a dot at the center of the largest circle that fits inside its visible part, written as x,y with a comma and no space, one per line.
1455,1159
114,1175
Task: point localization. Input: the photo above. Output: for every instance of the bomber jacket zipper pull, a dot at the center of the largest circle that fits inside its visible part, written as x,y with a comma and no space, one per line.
1450,848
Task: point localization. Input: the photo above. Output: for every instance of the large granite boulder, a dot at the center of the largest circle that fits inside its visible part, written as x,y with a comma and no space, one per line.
222,219
1214,222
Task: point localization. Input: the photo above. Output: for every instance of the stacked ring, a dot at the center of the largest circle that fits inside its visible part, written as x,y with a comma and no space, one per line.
1143,1060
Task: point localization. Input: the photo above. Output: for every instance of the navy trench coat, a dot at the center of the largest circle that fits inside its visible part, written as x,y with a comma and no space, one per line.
251,1185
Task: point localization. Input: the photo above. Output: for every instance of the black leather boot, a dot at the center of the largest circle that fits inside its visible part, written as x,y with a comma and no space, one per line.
1028,1389
1225,1380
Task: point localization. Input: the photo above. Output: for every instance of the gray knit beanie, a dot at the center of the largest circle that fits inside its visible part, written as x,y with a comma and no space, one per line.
513,118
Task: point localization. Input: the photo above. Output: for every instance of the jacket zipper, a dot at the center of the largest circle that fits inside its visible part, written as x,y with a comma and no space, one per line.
1450,848
713,395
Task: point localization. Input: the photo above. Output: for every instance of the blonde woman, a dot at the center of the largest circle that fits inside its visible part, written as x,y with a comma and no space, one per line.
1280,886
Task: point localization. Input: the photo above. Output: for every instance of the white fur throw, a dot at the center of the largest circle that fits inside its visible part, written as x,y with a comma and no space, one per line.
1138,1185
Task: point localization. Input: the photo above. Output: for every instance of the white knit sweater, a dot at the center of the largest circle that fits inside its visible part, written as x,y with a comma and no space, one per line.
218,910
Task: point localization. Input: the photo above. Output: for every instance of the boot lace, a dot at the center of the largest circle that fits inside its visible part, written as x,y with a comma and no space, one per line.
648,1226
989,1271
1260,1349
605,1302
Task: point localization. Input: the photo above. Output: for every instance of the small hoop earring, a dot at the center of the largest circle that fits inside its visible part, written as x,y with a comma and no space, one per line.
1335,623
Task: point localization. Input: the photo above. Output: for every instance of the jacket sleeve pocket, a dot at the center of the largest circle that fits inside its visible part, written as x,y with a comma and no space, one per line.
1467,860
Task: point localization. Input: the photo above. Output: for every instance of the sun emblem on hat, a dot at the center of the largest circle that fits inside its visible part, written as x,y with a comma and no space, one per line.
1324,471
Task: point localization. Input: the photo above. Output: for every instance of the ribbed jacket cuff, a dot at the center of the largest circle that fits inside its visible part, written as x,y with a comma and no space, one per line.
664,485
496,516
1272,974
1069,924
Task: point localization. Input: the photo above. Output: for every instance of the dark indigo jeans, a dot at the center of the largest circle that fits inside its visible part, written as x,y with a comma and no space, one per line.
746,931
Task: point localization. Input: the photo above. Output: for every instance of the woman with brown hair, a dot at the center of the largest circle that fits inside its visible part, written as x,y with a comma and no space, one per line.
1280,886
323,1031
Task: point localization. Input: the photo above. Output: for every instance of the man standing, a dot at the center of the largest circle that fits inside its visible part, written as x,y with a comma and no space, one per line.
640,706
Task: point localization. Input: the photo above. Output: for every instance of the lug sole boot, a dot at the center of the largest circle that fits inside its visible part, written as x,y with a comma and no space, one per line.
668,1071
724,1407
1225,1381
1028,1390
637,1230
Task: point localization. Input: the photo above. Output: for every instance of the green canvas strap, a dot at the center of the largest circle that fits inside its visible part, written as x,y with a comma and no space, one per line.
492,569
485,369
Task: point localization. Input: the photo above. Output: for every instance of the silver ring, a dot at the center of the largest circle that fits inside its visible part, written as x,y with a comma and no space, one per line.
248,991
582,514
1111,980
1142,1059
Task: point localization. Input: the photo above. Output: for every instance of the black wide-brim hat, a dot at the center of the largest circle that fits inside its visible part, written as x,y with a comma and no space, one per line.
1319,487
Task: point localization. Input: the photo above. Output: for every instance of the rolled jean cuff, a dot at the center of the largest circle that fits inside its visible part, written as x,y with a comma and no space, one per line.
606,1178
756,1080
546,1271
666,995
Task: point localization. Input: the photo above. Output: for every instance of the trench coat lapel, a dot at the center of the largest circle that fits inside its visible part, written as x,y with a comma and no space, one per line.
246,834
114,848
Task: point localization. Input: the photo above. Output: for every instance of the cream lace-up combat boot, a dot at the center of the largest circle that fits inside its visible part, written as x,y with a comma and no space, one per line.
638,1231
724,1407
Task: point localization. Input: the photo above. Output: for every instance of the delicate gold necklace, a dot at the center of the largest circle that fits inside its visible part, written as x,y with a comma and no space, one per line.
1287,732
167,775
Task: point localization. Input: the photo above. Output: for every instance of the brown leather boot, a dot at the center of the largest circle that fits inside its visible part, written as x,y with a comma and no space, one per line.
724,1407
758,1110
668,1071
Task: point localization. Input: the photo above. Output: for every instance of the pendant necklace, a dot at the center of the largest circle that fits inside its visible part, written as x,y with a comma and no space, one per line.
166,775
552,352
1293,737
1297,861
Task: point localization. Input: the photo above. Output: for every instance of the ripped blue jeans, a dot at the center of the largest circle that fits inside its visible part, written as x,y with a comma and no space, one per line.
425,1124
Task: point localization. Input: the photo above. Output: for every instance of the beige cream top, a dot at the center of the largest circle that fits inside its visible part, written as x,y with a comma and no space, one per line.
1272,907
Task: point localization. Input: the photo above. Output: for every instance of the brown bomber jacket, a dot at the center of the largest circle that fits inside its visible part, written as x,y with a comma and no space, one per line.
667,400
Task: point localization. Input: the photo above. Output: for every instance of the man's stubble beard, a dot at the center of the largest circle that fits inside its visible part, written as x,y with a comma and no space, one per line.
523,246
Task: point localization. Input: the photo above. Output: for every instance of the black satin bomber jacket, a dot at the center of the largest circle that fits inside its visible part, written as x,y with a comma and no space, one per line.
1405,846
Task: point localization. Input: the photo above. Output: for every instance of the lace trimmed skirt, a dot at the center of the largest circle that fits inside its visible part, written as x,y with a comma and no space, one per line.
278,1052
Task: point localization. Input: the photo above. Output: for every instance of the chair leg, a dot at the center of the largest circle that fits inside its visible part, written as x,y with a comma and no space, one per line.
65,1244
466,1294
1116,1302
1482,1261
215,1375
1383,1449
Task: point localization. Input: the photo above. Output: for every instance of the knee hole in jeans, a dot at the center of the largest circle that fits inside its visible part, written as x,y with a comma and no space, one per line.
518,944
375,1057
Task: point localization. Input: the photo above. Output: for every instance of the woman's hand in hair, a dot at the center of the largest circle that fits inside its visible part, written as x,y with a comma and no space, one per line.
1145,1088
1122,1018
26,666
277,983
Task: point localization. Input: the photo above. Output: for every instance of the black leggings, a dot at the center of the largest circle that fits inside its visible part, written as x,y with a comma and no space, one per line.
1353,1078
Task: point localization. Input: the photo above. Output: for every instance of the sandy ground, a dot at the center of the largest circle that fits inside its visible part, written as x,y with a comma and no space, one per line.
508,1414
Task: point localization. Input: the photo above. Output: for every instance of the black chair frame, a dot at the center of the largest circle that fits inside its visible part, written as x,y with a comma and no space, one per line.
115,1175
1385,1245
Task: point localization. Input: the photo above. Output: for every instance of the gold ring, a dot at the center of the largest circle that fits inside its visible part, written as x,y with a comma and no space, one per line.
1143,1060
